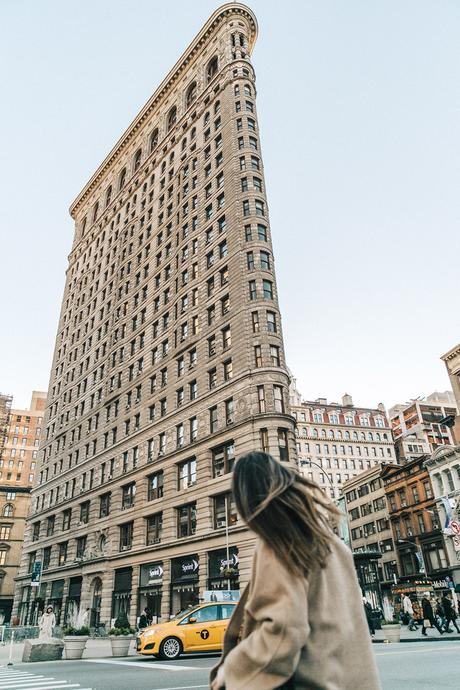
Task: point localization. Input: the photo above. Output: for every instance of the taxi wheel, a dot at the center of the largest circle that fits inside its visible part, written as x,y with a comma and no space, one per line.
170,648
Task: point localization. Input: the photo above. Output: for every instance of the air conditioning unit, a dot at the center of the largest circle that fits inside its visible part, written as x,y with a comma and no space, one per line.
128,406
220,523
156,541
160,453
229,420
109,477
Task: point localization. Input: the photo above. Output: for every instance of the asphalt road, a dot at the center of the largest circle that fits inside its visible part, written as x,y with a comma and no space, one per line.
408,666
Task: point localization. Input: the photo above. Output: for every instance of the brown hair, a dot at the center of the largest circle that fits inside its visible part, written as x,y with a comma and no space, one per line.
287,511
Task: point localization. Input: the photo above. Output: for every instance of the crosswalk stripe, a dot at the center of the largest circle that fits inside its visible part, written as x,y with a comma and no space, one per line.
152,665
40,685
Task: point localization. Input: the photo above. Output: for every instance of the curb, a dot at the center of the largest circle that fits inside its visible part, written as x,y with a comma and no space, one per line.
439,638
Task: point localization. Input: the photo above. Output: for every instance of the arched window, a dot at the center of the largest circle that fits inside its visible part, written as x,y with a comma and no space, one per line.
154,139
95,211
211,71
137,160
122,179
108,196
191,94
172,118
8,510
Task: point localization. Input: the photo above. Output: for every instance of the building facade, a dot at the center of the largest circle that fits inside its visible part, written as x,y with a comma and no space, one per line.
18,461
415,522
452,361
424,420
336,442
369,521
444,470
169,359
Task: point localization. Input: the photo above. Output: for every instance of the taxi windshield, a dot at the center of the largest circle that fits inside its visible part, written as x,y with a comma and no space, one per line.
184,612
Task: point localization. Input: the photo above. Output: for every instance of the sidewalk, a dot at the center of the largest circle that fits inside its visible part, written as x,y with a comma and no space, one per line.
416,635
95,649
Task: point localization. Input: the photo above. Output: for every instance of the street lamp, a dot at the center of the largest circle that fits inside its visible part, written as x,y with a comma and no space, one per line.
310,462
419,550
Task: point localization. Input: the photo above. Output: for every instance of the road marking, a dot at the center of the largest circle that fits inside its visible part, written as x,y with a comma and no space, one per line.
41,685
185,687
420,651
150,665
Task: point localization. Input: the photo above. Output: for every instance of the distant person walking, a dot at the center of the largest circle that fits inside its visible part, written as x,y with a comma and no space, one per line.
449,613
409,611
300,622
368,612
428,617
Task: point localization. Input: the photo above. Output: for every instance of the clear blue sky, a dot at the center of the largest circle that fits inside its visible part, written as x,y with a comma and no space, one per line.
359,109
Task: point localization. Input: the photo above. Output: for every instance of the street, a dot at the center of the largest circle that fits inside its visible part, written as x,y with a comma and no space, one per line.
426,665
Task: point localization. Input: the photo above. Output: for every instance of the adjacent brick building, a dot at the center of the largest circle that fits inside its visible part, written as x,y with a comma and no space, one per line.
415,521
169,358
18,463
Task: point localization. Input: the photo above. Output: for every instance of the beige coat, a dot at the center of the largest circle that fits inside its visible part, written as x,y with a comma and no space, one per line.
311,630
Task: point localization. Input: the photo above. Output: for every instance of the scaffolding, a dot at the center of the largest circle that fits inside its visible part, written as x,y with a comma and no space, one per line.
5,409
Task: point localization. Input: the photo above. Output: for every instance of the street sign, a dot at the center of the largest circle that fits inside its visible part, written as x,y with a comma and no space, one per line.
455,527
456,542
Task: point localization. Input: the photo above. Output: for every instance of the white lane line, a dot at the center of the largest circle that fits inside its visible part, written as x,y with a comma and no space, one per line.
42,685
143,664
185,687
420,651
32,684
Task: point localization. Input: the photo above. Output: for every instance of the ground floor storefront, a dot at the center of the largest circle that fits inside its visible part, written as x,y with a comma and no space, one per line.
159,584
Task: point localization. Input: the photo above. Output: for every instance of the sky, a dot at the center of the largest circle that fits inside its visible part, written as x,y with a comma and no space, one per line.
359,113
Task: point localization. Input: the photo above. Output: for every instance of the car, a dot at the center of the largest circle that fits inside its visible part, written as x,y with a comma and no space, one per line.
199,629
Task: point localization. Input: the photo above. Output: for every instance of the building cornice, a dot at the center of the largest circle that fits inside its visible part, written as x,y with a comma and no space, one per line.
164,89
452,354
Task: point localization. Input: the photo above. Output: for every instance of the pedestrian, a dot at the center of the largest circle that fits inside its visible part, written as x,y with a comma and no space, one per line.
440,616
46,624
428,617
300,622
368,614
409,611
143,620
449,613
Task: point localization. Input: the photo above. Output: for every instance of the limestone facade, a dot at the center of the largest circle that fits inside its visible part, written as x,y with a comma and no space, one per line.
336,442
169,359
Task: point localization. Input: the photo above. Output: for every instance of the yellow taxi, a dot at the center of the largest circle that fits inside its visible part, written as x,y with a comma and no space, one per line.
199,629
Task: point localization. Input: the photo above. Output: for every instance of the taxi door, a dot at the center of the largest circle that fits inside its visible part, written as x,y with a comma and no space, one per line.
201,629
225,613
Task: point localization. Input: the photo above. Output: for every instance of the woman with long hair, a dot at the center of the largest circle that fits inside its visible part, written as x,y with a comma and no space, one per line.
300,622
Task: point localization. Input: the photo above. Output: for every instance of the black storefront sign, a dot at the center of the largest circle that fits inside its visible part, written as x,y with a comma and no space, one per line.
151,574
219,564
185,568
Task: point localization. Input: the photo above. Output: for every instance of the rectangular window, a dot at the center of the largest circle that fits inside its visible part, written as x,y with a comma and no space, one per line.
154,528
261,399
66,517
186,520
271,322
84,512
283,445
128,493
104,505
62,558
223,459
213,420
275,355
267,289
126,536
155,486
193,429
186,474
252,290
257,356
263,433
224,511
278,399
